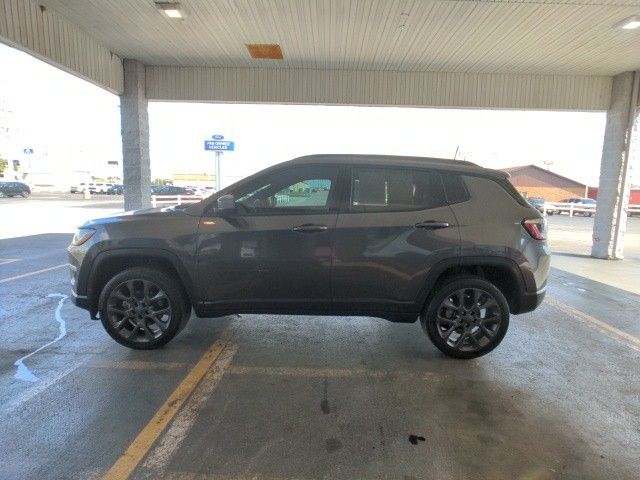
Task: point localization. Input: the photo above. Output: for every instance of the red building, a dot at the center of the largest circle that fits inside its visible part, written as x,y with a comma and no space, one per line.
634,196
534,181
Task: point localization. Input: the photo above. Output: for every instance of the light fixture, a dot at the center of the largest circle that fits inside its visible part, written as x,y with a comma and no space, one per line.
266,51
170,9
630,23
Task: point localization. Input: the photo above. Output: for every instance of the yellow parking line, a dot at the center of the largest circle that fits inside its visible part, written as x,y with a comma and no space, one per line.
130,459
17,277
613,332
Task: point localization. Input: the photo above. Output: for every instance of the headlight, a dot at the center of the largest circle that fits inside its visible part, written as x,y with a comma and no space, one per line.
82,235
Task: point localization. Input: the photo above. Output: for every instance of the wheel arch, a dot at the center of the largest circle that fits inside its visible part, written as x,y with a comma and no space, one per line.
503,272
111,262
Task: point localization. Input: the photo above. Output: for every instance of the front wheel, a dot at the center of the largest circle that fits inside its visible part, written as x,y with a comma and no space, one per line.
466,317
143,308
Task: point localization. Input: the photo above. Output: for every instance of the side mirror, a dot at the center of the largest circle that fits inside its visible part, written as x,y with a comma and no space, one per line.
226,204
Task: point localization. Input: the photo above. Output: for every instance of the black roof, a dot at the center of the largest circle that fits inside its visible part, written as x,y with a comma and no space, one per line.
394,161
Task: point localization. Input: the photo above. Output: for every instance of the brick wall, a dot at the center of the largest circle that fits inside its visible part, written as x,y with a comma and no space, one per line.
551,194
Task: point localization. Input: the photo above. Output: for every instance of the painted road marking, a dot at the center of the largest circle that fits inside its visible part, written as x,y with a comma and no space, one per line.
38,389
156,463
18,277
4,261
130,459
23,372
242,476
333,373
610,331
140,365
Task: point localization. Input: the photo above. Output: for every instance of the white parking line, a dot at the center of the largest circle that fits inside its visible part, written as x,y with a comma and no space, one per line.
4,261
158,459
610,331
18,277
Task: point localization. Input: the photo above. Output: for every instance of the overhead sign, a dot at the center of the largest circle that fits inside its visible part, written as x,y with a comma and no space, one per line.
219,145
28,151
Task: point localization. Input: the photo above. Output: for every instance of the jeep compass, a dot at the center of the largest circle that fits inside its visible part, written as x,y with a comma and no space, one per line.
401,238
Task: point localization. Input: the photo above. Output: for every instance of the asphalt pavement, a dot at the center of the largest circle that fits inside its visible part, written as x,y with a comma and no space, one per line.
284,397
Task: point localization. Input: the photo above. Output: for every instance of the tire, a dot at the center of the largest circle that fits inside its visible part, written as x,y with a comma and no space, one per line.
24,194
453,323
143,308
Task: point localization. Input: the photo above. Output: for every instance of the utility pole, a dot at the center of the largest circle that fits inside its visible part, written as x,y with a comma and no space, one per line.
217,166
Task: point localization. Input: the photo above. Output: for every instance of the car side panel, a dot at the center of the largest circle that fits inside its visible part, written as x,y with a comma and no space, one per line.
490,226
381,261
170,235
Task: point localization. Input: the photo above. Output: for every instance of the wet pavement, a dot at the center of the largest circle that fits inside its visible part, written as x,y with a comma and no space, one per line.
316,397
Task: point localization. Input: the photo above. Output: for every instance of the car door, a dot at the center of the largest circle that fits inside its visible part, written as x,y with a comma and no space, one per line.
274,251
396,225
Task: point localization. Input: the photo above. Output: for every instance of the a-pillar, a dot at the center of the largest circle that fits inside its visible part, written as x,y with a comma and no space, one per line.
620,144
134,118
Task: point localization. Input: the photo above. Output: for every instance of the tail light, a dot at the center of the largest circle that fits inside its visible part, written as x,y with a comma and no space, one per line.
536,227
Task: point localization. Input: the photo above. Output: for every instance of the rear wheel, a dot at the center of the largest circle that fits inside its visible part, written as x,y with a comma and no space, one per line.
466,317
143,308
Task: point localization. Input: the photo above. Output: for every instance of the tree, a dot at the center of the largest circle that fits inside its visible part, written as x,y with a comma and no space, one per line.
3,165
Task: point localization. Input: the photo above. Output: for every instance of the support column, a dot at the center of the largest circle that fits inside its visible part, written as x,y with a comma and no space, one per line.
134,118
620,143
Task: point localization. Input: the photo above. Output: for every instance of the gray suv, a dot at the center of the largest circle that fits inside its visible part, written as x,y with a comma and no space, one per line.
399,238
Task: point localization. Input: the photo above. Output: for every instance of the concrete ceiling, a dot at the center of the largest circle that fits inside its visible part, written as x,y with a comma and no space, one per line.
495,36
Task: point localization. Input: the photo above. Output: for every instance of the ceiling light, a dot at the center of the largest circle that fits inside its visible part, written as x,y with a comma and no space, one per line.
171,10
630,23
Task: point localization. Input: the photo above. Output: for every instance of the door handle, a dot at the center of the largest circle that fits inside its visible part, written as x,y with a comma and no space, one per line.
431,224
309,228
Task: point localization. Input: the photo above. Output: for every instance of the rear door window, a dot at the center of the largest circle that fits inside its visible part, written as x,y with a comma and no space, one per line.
380,189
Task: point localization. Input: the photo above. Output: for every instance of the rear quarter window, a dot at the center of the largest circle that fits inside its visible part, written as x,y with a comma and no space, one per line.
455,188
492,192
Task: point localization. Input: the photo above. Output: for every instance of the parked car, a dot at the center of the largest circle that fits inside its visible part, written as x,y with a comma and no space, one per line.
14,189
102,187
582,203
400,238
538,204
115,189
167,190
78,188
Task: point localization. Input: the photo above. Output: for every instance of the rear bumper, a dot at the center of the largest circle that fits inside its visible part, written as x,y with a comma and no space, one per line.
530,301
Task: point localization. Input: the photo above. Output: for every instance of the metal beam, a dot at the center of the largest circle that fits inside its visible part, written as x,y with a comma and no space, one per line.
350,87
48,36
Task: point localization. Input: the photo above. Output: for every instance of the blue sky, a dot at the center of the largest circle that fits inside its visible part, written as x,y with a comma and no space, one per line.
74,125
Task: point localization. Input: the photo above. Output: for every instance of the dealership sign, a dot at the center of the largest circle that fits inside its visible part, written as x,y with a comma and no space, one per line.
218,144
